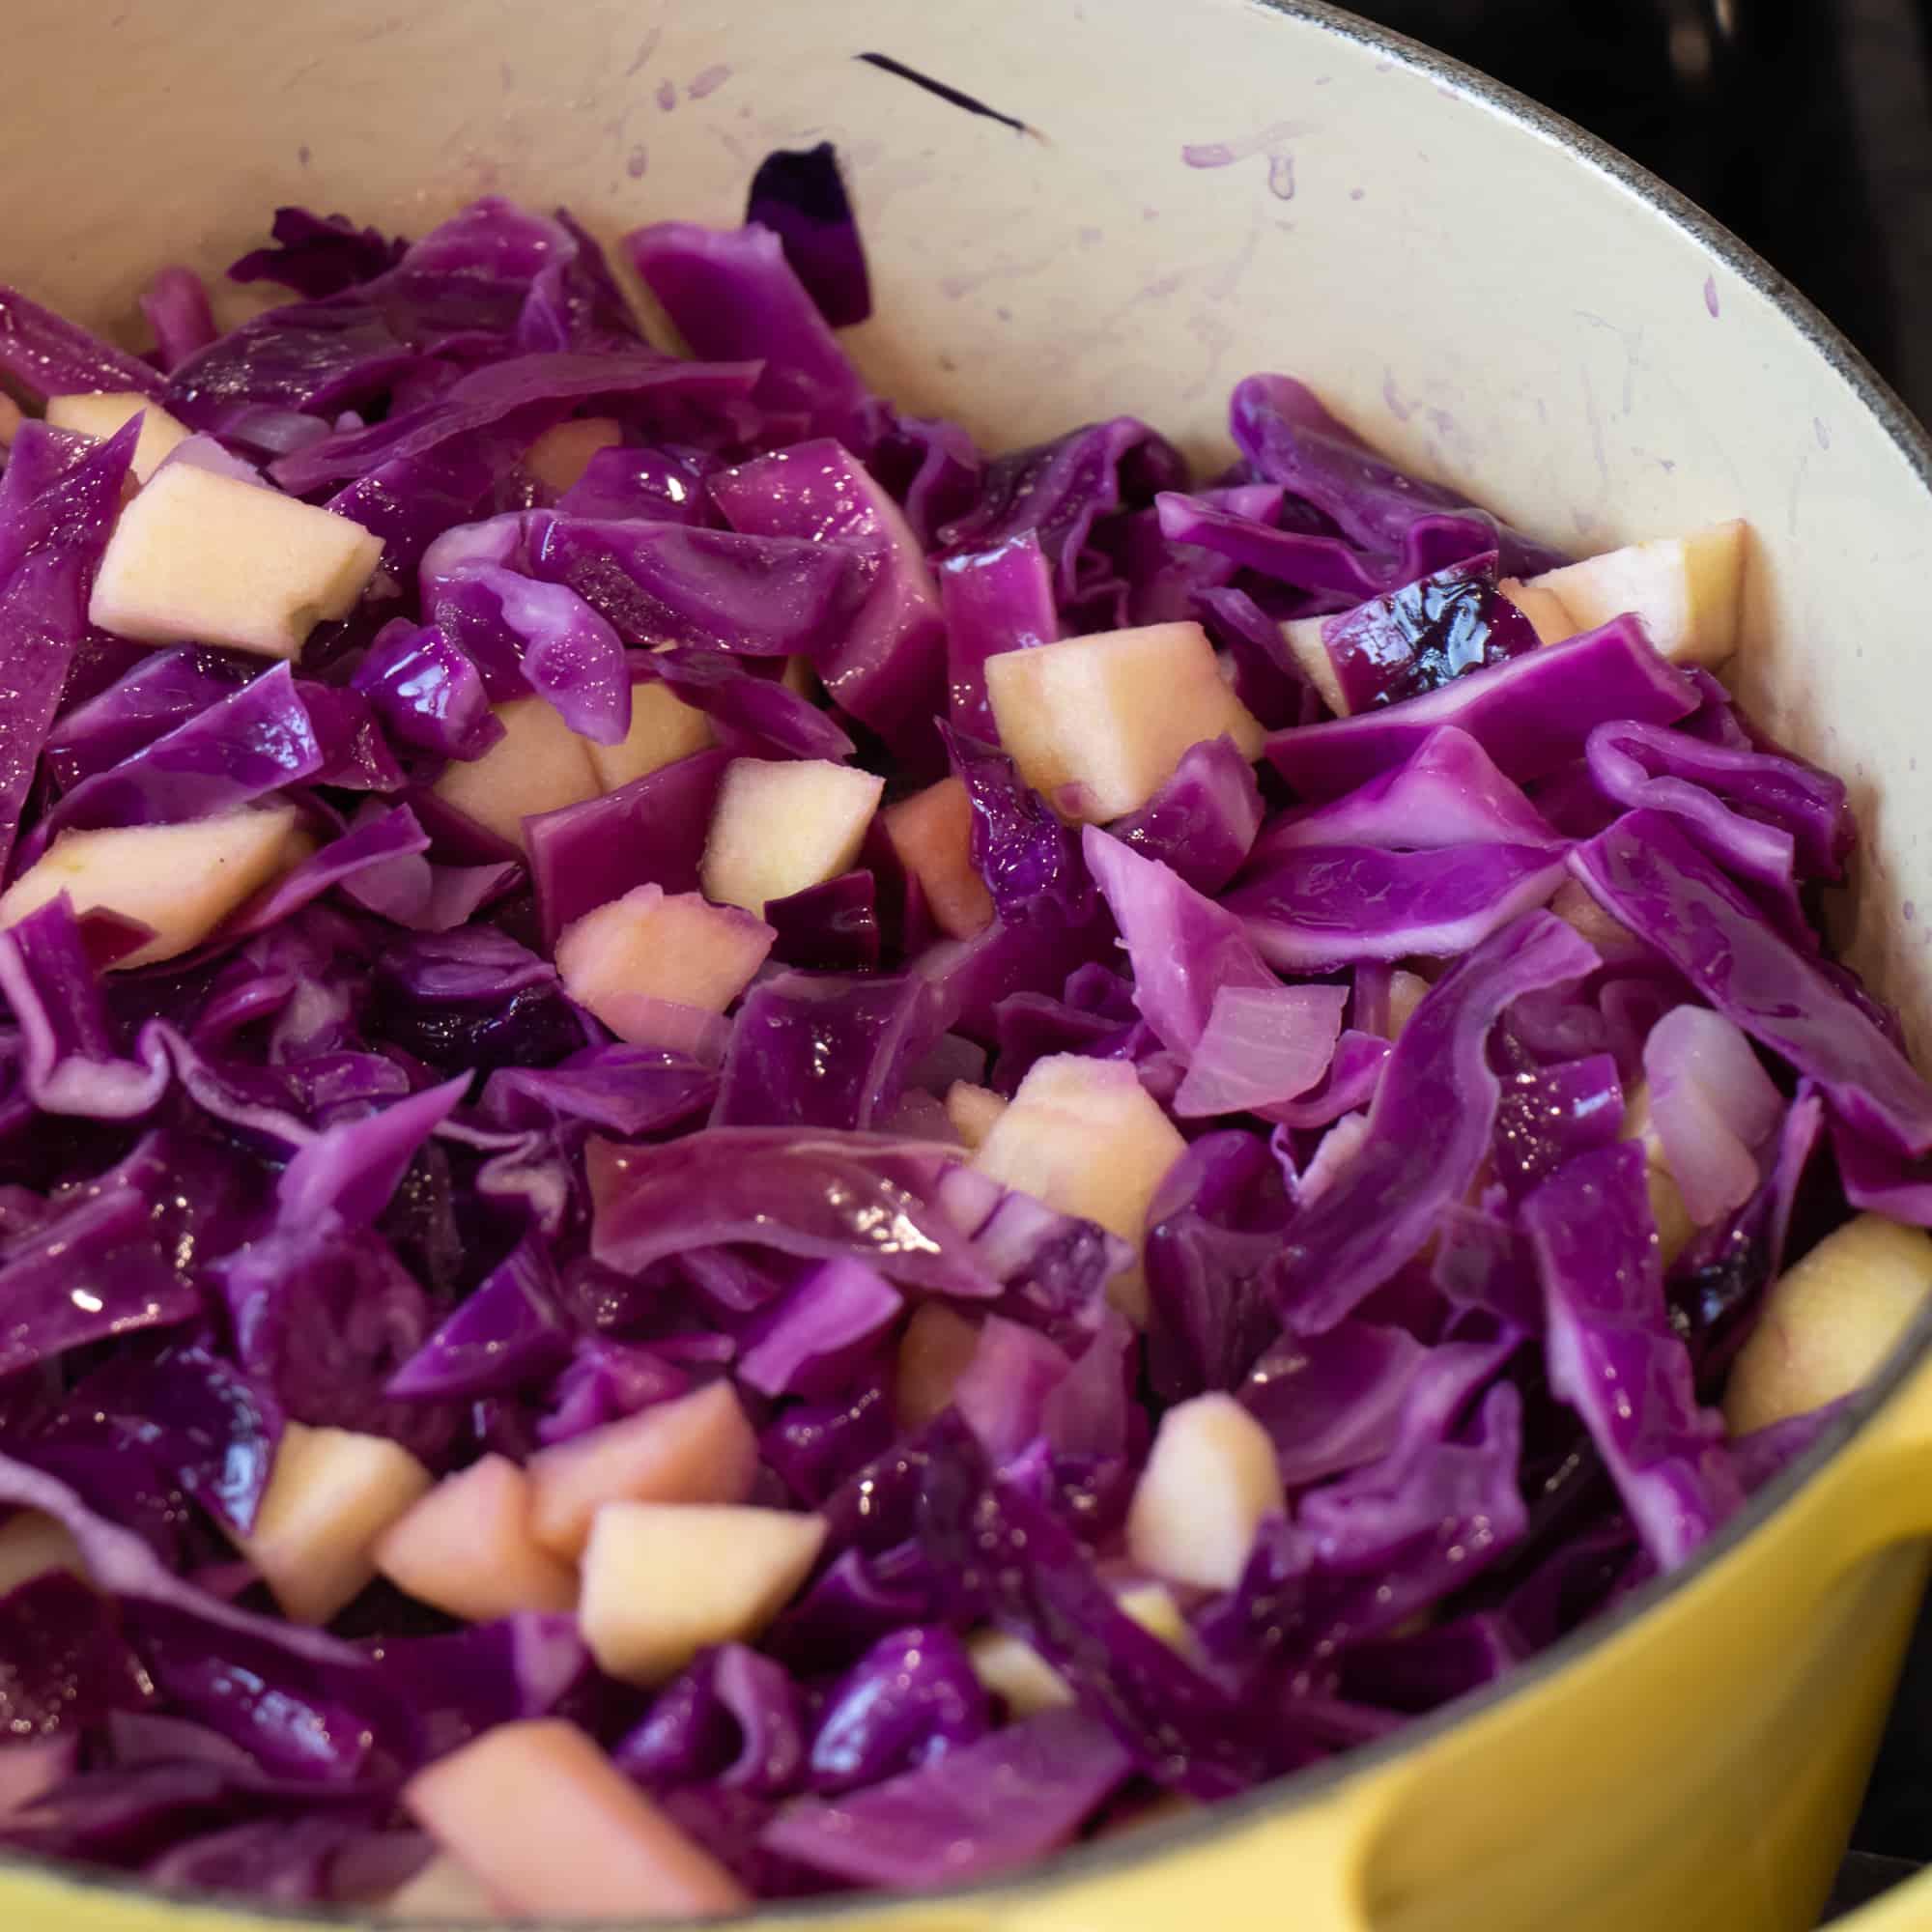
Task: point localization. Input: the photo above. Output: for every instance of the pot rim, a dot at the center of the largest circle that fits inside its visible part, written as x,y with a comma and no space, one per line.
1317,1781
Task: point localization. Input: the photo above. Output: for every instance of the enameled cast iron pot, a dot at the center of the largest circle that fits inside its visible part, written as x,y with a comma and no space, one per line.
1200,188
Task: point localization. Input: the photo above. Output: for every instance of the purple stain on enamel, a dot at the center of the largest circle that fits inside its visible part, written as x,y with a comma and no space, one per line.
1711,294
1819,431
635,162
1208,154
1281,177
666,96
708,82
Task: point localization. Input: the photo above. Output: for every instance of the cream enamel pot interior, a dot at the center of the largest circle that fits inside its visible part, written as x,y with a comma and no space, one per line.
1197,190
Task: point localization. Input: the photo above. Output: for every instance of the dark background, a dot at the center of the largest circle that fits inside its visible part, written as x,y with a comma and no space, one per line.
1806,129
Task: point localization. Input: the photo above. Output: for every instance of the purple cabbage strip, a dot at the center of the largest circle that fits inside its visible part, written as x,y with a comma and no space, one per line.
1645,871
1613,1356
1532,715
1428,1128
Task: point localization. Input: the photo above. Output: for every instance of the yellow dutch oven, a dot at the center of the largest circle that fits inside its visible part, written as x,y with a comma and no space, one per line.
1181,192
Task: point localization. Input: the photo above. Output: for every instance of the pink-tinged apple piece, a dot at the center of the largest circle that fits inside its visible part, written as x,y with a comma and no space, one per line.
205,559
539,764
1211,1479
781,825
31,1770
1097,725
558,458
330,1496
100,415
699,1448
468,1547
179,880
932,834
663,1582
11,420
654,945
554,1832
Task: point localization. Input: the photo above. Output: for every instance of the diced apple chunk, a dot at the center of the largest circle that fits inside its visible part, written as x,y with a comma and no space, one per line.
932,834
444,1891
10,419
1686,589
31,1545
1407,992
1544,609
181,881
558,458
973,1110
1303,638
782,825
554,1831
1830,1322
934,1352
663,728
697,1448
468,1547
1577,907
100,415
1674,1225
330,1496
664,1581
1097,724
1087,1138
538,764
1012,1671
198,558
1210,1480
655,945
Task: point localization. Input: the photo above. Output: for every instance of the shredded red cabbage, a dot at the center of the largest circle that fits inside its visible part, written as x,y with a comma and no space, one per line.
358,1156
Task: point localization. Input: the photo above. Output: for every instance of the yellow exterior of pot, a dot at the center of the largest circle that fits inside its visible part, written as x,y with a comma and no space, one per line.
1197,189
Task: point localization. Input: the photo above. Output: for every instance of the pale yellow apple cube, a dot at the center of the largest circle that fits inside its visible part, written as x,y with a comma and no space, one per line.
101,416
1548,617
539,764
781,825
1686,589
31,1545
331,1495
934,1352
663,728
1674,1225
1303,638
1209,1482
1830,1322
1086,1137
1097,725
202,559
558,458
664,1581
1012,1671
180,880
973,1110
